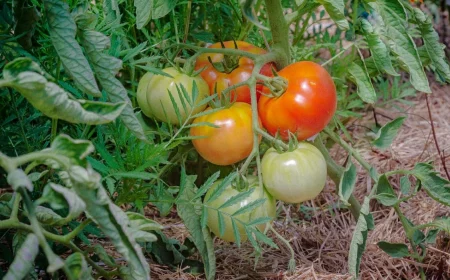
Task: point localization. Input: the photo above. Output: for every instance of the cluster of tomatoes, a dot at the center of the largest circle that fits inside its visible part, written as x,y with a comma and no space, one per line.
304,109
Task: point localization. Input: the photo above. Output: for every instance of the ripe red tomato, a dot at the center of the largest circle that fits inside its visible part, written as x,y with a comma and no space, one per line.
306,107
243,72
232,141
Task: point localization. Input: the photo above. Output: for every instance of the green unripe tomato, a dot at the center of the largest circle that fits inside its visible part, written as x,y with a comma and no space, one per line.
267,209
296,176
154,99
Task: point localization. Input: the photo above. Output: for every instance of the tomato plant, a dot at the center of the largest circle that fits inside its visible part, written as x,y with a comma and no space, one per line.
294,176
233,72
267,209
231,141
307,105
154,95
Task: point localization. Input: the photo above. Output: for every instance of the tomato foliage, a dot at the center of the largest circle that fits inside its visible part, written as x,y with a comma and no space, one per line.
102,108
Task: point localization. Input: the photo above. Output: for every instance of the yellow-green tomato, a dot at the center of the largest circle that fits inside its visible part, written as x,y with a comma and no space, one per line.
294,176
267,209
153,95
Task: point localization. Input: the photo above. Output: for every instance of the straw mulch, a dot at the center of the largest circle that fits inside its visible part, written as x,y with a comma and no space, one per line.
320,231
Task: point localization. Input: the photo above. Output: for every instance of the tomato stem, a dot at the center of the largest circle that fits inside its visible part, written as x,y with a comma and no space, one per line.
291,265
280,32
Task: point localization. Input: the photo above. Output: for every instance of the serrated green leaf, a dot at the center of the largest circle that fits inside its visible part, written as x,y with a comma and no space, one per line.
365,87
249,207
154,70
200,235
436,187
435,50
24,259
110,219
347,183
106,68
77,267
401,43
143,12
387,133
62,30
221,187
207,184
263,238
395,250
52,100
359,238
378,49
335,8
237,198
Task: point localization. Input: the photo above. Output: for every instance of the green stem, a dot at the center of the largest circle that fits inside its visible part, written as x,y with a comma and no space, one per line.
40,156
299,35
71,235
291,265
54,129
19,116
187,20
348,148
280,32
7,163
335,172
15,208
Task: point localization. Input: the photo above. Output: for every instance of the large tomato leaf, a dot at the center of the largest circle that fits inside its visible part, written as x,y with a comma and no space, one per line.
192,220
434,49
436,186
106,67
362,79
110,218
52,100
401,43
24,259
62,33
143,12
380,52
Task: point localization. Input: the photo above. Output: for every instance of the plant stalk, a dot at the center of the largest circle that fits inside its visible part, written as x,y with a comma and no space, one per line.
280,32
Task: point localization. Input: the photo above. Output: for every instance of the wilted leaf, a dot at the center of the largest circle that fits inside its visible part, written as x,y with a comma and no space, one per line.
24,259
52,100
18,179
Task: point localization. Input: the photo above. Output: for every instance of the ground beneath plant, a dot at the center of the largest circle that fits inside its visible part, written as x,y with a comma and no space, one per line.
320,231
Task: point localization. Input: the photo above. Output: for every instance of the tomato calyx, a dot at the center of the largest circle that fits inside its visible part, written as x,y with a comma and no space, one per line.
229,63
240,183
276,84
292,144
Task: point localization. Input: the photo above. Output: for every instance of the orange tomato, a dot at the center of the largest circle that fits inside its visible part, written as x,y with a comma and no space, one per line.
231,141
243,72
307,105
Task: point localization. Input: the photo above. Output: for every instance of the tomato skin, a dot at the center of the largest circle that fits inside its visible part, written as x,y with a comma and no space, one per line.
296,176
232,141
242,73
306,107
268,209
154,100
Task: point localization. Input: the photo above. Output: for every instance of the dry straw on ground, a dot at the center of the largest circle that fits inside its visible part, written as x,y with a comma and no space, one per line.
320,232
